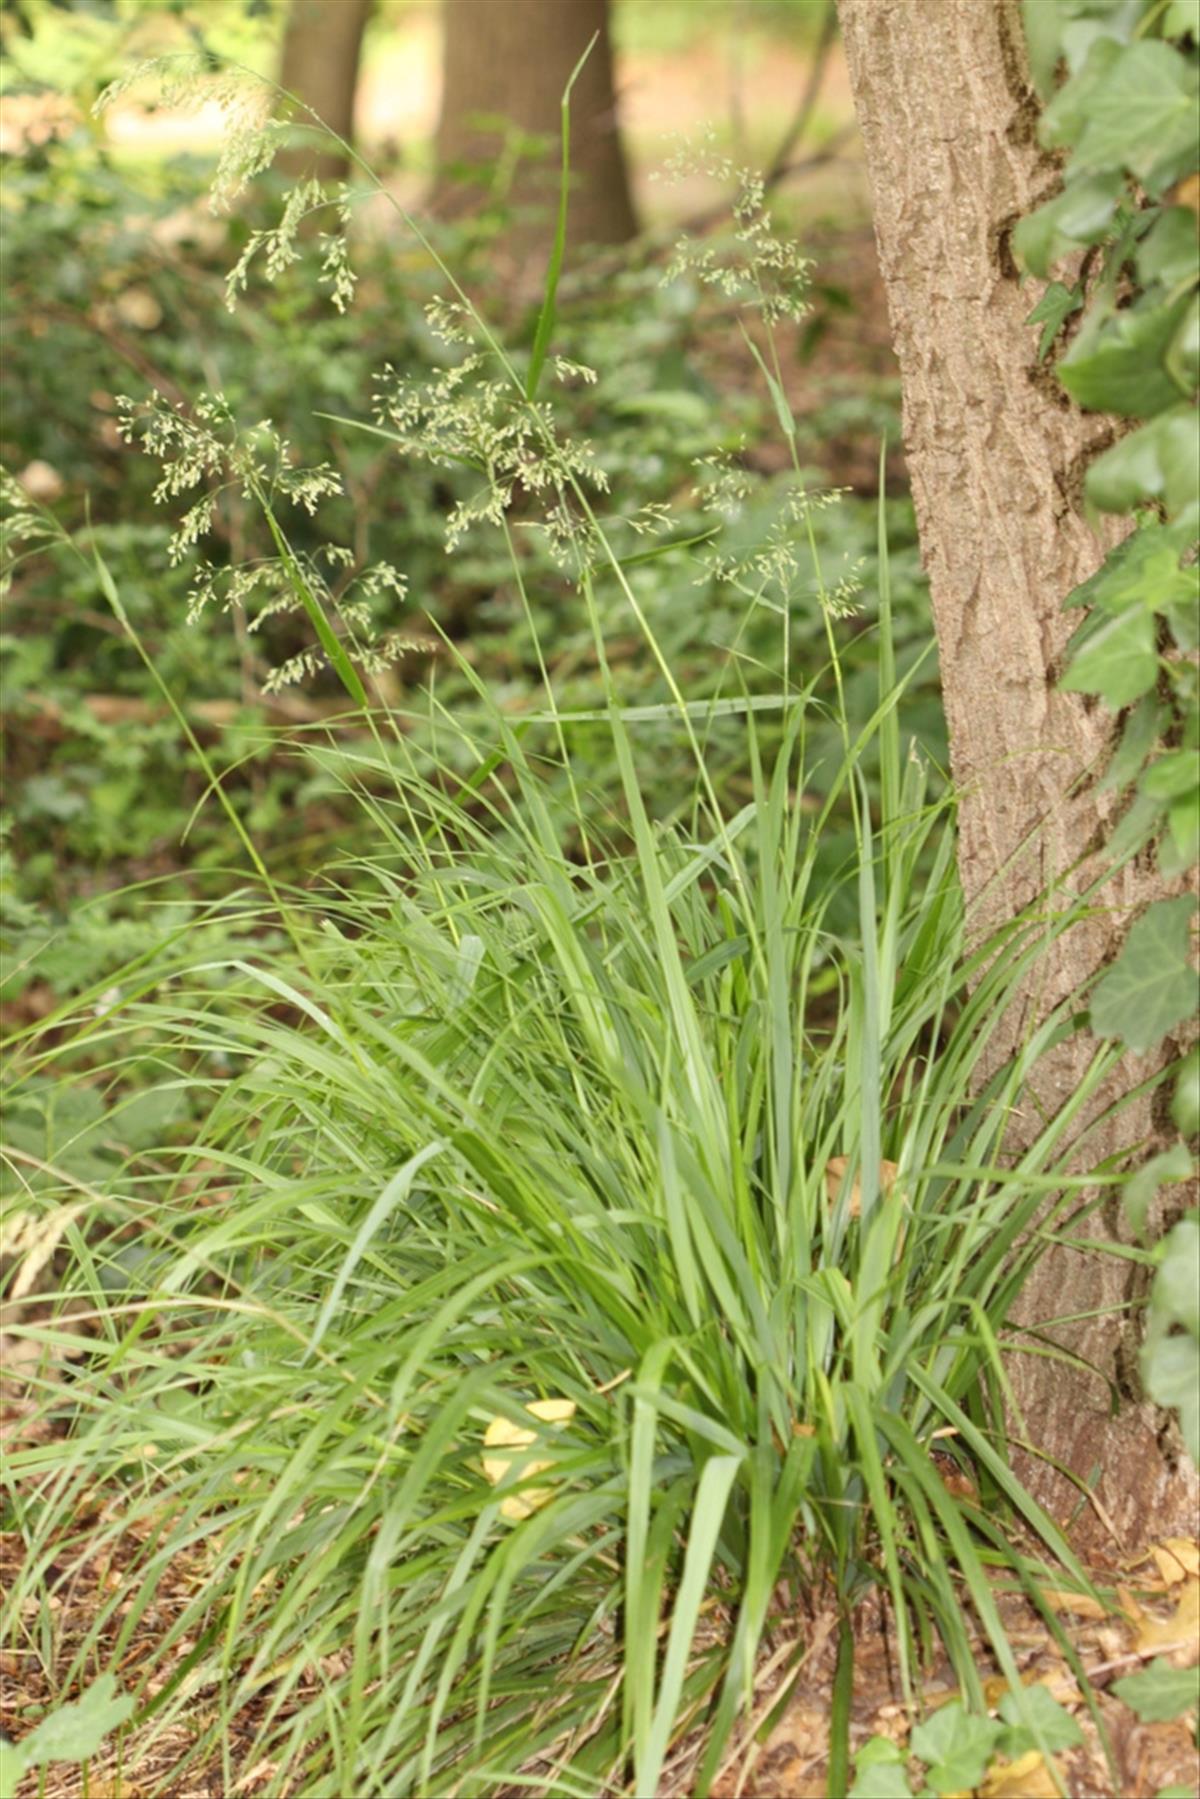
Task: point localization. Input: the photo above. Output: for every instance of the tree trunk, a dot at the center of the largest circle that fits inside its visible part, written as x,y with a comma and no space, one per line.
996,454
322,43
508,61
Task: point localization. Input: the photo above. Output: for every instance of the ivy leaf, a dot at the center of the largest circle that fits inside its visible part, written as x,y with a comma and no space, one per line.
14,1765
1182,360
1171,775
1043,38
877,1751
1182,19
1168,1369
1081,214
1058,1728
885,1780
1117,659
1159,1692
1159,462
1136,827
1056,305
1182,614
1168,1356
1080,34
879,1771
1185,1103
1176,1292
1139,734
956,1746
1120,365
1174,1164
74,1732
1143,569
1182,844
1140,113
1152,985
1185,678
1167,253
1066,117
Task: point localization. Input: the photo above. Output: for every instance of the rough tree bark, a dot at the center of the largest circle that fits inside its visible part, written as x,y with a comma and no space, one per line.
996,455
510,60
322,44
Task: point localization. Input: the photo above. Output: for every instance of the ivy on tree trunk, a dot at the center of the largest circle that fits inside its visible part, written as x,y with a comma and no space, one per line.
997,454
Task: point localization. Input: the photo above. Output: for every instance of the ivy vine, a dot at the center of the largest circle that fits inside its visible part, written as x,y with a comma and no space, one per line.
1120,82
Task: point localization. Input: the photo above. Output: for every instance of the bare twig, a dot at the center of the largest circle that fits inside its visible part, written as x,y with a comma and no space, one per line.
1098,1675
781,163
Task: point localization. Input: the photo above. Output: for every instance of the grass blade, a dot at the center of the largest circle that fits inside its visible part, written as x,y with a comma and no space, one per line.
708,1515
546,318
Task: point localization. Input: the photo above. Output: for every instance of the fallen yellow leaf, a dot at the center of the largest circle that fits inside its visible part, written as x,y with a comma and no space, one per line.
502,1433
1175,1559
1186,193
516,1506
1029,1777
509,1437
552,1411
835,1174
1056,1681
1061,1599
1177,1637
1060,1685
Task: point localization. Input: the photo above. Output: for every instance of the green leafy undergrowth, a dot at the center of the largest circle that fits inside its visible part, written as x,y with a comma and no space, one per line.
1159,1692
129,264
956,1747
71,1733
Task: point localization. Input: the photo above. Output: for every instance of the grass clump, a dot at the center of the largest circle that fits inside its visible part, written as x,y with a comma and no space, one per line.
638,1130
655,1134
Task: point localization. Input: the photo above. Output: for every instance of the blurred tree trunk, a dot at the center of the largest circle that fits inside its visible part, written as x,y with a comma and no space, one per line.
508,61
322,44
996,454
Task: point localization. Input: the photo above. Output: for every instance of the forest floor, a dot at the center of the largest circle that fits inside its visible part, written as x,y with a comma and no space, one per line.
1152,1610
